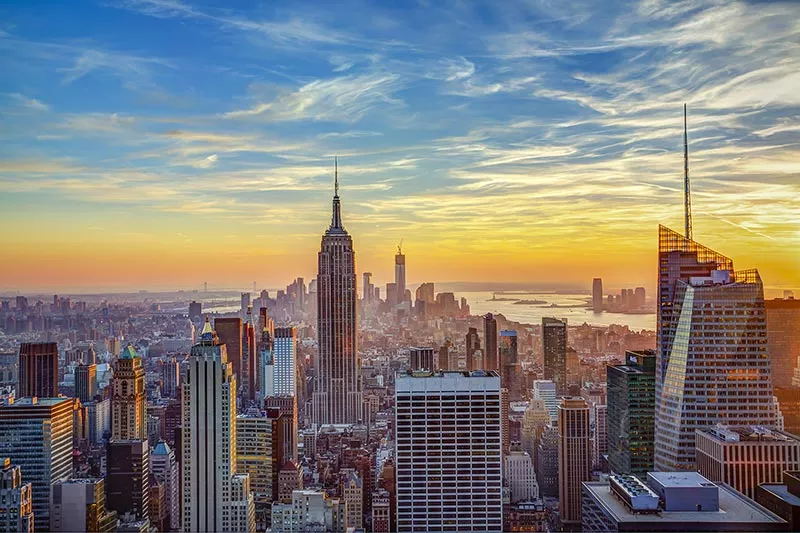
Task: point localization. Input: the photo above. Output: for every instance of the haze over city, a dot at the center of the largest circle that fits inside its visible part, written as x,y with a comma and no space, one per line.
161,144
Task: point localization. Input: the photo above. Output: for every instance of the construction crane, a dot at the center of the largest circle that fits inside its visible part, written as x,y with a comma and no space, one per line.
400,247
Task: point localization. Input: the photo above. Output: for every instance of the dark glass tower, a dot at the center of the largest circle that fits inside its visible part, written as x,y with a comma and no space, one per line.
554,348
337,391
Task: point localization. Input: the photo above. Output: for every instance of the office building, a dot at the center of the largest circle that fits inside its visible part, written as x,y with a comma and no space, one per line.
36,434
352,491
449,467
368,290
195,312
381,511
98,421
574,456
599,435
231,332
525,516
215,497
597,295
85,382
282,410
290,479
745,457
631,413
509,364
671,501
546,460
534,420
266,360
400,274
254,456
284,373
520,476
16,500
170,378
127,489
782,498
474,353
490,354
165,468
783,335
420,359
128,413
309,511
707,313
38,370
80,505
545,390
249,367
554,353
337,390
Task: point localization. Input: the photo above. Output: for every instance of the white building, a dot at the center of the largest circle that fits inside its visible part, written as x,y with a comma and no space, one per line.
545,389
520,476
449,466
164,466
285,357
214,497
309,511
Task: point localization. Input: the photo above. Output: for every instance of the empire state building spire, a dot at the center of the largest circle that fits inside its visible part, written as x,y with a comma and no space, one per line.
336,218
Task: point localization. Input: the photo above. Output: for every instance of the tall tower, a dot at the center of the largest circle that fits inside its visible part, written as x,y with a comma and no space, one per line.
337,392
554,348
400,273
573,457
490,361
38,370
215,497
129,417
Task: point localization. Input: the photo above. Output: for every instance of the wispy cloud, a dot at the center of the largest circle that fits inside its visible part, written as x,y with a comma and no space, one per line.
30,103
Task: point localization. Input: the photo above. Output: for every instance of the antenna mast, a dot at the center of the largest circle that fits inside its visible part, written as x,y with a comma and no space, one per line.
687,200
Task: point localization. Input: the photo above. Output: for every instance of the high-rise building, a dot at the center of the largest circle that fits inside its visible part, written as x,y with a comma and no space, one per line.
426,293
554,352
782,498
231,332
245,303
128,414
284,373
599,435
597,295
381,511
422,359
282,411
337,391
247,379
254,456
490,360
38,370
352,491
459,440
707,313
574,455
170,378
80,505
400,274
546,459
474,354
165,468
509,364
309,511
545,390
195,312
631,413
215,497
127,489
521,476
534,421
745,457
783,335
16,500
85,382
368,289
98,421
36,434
290,479
267,361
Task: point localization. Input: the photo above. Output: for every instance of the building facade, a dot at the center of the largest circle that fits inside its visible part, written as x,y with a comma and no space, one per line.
165,468
490,359
38,370
574,457
16,500
128,413
783,335
80,505
554,353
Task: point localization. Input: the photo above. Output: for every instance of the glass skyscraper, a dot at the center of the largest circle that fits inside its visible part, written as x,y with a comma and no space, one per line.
713,364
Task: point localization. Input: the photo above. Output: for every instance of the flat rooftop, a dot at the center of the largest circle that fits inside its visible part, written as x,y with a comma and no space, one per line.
733,508
781,491
681,479
748,434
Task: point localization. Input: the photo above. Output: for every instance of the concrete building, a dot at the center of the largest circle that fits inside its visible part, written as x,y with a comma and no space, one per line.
783,499
98,421
631,413
127,489
352,491
36,434
745,457
285,356
80,505
783,336
546,459
449,466
422,358
707,312
290,479
337,390
545,390
671,501
474,353
38,370
165,468
599,435
490,355
85,382
381,511
309,511
231,333
128,413
520,476
574,457
16,500
215,497
554,353
254,457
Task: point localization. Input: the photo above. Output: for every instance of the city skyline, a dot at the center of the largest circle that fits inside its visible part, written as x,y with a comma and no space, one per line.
537,123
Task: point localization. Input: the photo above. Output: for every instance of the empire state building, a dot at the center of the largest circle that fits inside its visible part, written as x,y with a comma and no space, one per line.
337,390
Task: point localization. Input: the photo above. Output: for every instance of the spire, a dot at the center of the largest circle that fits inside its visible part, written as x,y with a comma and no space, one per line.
687,200
336,219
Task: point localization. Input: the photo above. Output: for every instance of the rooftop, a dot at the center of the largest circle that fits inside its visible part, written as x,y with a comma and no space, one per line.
748,434
782,491
681,479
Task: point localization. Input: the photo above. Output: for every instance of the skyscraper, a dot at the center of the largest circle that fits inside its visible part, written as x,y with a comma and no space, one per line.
707,313
254,457
38,369
126,484
573,457
85,382
597,295
128,414
632,413
554,351
473,342
490,361
337,391
285,363
422,358
16,512
214,494
36,434
783,334
80,505
400,274
247,379
509,369
231,333
459,440
521,476
165,468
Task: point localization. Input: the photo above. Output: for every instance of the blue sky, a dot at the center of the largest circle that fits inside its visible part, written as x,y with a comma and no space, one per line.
497,138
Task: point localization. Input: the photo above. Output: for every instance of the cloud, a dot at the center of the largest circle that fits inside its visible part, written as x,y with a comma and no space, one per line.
30,103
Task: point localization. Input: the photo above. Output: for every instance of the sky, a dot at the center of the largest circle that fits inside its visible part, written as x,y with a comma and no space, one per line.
167,143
